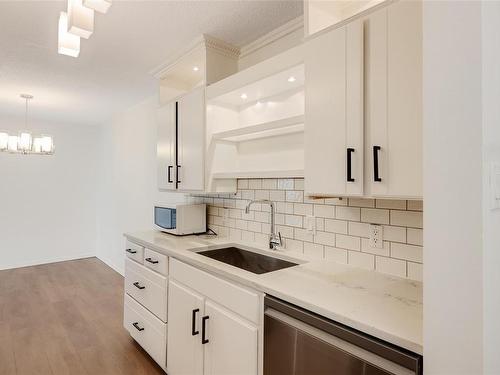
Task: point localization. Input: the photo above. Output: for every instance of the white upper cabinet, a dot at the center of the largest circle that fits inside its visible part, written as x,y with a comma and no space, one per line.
334,112
181,143
363,133
394,101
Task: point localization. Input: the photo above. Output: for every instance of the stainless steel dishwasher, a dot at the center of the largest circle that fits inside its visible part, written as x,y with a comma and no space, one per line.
299,342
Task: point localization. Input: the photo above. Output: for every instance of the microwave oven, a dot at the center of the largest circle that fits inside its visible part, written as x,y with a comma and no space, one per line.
181,219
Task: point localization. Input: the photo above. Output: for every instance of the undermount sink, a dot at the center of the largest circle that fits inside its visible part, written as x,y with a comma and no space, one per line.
247,260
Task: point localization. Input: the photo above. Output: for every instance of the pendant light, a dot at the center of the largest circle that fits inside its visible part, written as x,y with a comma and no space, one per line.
68,44
80,19
100,6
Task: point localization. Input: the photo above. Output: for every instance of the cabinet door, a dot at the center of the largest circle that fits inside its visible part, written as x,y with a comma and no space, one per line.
184,348
165,148
232,345
191,140
334,112
394,101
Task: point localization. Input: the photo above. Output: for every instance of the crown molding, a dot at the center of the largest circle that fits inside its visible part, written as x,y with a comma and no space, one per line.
278,33
205,42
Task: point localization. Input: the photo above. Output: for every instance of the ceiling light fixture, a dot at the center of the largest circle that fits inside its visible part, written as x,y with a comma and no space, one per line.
195,68
292,79
243,96
24,143
80,19
68,44
100,6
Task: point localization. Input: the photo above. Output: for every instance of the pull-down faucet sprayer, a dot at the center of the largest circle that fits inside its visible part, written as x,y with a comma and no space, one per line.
274,239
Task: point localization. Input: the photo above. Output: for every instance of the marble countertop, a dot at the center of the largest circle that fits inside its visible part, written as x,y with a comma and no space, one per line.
383,306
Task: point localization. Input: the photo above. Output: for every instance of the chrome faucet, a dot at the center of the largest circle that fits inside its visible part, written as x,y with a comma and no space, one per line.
274,239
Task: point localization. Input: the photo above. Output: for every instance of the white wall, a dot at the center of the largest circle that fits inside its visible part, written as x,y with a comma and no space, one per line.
128,188
48,203
491,152
453,279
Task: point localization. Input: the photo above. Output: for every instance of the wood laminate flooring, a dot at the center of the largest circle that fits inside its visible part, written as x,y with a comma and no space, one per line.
66,318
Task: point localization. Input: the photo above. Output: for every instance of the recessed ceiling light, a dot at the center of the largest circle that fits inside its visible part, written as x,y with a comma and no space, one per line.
195,68
291,79
243,96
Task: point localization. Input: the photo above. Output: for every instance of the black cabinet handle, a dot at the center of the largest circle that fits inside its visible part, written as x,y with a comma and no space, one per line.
136,325
177,174
151,260
349,165
204,340
376,176
131,251
169,171
138,286
194,332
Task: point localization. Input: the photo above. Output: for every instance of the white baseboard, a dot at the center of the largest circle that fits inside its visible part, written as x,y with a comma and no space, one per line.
37,262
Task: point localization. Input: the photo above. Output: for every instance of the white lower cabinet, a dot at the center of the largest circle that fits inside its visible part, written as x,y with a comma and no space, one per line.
149,331
205,337
185,354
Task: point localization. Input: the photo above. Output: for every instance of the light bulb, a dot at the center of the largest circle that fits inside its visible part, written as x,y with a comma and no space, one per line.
243,96
292,79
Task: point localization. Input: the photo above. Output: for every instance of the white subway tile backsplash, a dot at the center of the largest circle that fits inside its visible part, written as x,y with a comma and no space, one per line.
335,226
347,242
391,266
348,213
374,216
361,260
337,255
324,238
321,210
313,251
270,183
411,219
406,252
342,225
415,236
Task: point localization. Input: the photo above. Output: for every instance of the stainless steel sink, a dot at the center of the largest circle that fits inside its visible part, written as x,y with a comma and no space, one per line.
247,260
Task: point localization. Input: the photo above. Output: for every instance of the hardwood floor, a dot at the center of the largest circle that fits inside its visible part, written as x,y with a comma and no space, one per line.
66,318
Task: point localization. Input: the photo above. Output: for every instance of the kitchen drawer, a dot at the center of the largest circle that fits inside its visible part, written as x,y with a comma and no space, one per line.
134,251
147,287
156,261
146,329
234,297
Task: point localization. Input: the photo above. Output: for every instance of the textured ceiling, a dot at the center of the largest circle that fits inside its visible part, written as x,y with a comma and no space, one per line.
112,70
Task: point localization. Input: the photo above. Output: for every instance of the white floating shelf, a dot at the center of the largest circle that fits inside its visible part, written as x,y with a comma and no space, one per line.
288,125
260,174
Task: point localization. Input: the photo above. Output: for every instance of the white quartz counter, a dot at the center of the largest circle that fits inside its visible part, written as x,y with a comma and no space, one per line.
383,306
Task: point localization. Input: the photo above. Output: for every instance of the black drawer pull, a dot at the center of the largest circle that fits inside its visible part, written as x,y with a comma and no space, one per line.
130,251
204,340
349,165
177,174
169,171
376,176
151,261
136,325
136,284
194,332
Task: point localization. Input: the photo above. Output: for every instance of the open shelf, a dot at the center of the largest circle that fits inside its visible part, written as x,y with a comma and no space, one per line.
290,125
260,174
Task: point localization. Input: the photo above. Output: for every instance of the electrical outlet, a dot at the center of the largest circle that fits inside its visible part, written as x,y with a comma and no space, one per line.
310,224
376,236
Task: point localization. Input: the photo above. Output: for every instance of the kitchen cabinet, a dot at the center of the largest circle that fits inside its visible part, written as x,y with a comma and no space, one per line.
185,353
214,329
363,131
181,143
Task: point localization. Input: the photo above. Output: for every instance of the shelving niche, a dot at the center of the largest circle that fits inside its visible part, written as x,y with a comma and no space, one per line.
255,121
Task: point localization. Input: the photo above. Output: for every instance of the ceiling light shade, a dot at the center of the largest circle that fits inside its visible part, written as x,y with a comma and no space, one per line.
12,144
80,19
100,6
47,144
68,44
24,142
4,141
